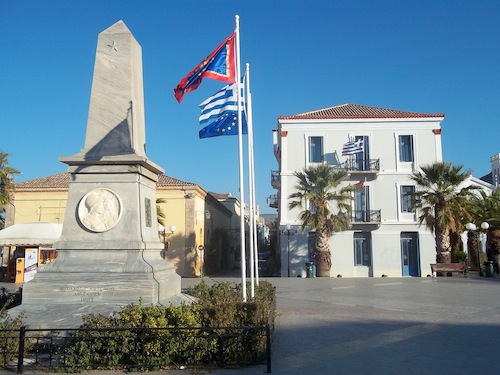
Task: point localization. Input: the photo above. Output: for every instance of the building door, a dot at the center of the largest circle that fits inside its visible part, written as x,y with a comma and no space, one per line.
363,158
410,255
362,249
362,205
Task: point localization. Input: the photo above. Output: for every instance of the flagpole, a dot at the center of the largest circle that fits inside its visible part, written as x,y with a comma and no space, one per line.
240,155
251,172
253,266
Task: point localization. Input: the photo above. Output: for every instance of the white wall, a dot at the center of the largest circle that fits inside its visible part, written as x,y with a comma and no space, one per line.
384,189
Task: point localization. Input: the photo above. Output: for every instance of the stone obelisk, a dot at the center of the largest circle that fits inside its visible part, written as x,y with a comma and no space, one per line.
109,251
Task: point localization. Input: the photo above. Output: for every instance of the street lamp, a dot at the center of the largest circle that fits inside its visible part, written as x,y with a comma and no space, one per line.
289,232
471,227
163,231
484,227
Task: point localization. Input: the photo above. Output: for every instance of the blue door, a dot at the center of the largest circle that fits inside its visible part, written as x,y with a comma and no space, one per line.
410,257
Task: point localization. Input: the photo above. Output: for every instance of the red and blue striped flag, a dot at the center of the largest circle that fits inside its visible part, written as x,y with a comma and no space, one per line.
219,65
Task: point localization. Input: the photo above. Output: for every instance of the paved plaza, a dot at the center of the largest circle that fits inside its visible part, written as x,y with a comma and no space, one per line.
381,326
385,326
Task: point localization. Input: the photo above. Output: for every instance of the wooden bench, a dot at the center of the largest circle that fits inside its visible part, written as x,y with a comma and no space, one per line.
460,267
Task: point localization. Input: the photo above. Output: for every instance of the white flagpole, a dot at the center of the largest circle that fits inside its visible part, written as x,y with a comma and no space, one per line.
253,266
251,169
240,154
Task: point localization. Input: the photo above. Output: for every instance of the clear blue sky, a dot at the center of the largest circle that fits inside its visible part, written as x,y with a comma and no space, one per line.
429,56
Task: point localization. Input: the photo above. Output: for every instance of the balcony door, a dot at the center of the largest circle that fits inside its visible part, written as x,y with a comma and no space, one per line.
362,205
362,159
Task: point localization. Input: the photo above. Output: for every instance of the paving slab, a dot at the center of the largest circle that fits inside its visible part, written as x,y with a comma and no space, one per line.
378,326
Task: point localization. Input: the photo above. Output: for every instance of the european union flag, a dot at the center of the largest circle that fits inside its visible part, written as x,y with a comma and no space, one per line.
219,65
219,114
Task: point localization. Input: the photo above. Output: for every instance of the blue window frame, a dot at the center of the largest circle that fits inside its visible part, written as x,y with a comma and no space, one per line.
406,148
407,198
315,149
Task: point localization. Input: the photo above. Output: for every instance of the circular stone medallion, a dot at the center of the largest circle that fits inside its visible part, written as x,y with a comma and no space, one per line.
100,210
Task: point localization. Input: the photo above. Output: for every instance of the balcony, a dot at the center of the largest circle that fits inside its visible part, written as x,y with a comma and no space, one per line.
272,200
366,166
275,179
365,217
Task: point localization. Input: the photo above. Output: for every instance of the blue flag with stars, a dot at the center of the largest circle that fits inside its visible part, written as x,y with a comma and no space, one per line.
219,114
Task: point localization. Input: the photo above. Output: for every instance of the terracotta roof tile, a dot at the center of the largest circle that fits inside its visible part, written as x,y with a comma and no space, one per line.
61,181
164,181
56,181
356,111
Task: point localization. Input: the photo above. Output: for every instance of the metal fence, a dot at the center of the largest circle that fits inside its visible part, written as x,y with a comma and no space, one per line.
134,348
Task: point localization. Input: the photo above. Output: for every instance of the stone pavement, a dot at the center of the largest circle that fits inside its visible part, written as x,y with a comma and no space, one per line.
380,326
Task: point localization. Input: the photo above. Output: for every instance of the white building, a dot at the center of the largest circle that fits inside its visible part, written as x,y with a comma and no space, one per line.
384,238
494,176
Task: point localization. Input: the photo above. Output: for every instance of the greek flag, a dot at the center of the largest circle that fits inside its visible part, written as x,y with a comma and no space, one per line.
352,147
219,114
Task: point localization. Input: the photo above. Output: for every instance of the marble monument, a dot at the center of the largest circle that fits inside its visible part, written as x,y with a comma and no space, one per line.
109,252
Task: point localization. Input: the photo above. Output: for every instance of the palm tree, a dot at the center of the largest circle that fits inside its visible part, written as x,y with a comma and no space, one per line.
7,174
486,208
441,202
325,208
160,214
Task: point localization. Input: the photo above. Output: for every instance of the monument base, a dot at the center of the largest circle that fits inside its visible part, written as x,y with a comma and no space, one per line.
61,300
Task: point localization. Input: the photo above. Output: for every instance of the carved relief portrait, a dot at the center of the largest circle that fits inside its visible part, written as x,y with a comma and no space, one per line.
99,210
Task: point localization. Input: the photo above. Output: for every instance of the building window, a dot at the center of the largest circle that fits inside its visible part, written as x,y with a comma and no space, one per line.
406,148
362,249
315,149
407,192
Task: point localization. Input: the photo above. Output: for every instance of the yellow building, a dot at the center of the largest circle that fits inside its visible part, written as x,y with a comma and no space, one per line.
199,232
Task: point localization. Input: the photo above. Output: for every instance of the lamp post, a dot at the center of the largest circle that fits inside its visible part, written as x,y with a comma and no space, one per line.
288,232
288,247
163,231
484,227
471,227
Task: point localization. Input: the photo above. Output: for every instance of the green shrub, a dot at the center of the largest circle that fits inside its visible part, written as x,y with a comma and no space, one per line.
133,347
10,327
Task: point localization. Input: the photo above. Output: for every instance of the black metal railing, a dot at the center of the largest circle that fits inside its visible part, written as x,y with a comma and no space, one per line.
59,349
273,201
275,179
365,216
361,165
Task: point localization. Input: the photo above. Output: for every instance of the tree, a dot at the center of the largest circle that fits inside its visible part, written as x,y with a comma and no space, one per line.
160,214
7,174
486,208
326,208
441,203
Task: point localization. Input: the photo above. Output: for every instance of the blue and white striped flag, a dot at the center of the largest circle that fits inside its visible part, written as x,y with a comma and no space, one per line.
219,114
352,147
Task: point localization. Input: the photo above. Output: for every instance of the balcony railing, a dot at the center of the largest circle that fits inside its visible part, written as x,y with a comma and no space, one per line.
365,216
272,200
361,165
275,179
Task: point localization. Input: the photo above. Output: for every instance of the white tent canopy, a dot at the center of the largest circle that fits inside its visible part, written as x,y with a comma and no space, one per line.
30,234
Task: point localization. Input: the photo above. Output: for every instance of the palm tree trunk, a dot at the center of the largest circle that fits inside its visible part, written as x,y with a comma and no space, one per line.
323,255
494,241
443,249
472,246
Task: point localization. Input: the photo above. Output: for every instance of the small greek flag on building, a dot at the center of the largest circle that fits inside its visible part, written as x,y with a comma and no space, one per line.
352,147
219,114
